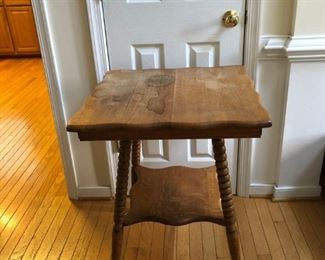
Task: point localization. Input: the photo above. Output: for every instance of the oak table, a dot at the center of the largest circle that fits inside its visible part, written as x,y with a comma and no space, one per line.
188,103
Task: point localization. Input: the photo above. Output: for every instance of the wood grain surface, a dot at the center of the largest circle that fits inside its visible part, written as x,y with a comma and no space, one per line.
175,196
172,103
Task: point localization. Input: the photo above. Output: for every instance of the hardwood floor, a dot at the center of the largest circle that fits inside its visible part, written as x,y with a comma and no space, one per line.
37,220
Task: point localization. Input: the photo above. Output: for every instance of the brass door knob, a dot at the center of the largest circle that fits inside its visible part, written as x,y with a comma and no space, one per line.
230,18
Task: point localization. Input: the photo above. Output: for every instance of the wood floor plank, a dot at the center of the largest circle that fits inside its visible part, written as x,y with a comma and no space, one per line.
126,232
20,128
157,245
145,241
50,235
209,248
87,232
23,159
133,241
256,227
283,232
105,247
31,113
65,229
183,243
310,236
16,189
221,241
170,243
44,193
10,222
316,221
245,232
27,231
269,230
44,226
320,208
295,231
196,246
75,233
98,236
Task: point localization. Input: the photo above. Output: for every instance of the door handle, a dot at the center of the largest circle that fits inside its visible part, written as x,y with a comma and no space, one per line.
230,18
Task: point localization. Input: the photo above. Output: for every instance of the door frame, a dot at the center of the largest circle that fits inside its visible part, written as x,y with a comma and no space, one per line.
50,67
251,42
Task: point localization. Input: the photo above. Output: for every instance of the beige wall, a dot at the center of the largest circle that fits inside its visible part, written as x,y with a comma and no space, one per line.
310,17
73,55
276,17
293,17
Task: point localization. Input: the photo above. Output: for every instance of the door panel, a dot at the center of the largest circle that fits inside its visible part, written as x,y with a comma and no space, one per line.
144,34
23,30
205,54
147,56
6,45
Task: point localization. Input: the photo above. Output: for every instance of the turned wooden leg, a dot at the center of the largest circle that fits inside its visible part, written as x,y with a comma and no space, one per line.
136,145
226,196
120,197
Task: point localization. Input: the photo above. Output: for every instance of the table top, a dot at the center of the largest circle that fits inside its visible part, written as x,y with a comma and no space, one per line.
217,102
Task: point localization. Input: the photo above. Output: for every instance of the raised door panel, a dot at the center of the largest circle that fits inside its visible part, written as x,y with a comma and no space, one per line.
23,31
6,46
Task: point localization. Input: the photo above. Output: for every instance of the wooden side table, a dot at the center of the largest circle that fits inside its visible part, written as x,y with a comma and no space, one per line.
190,103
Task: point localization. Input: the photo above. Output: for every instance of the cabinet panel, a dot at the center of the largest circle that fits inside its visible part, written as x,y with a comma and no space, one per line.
6,46
16,2
23,31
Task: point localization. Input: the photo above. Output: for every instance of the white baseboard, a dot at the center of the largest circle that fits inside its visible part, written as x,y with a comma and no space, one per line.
94,192
260,189
296,192
284,193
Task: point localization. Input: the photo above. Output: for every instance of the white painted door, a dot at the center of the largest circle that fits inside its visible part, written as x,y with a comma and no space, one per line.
143,34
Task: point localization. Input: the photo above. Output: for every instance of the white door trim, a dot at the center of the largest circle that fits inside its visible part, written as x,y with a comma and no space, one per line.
101,60
99,44
50,65
251,43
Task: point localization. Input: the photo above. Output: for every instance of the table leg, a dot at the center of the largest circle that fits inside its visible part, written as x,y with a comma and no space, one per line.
136,145
220,156
120,197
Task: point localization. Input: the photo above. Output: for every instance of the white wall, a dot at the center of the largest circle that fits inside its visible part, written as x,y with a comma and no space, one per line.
310,18
75,66
286,161
276,17
304,129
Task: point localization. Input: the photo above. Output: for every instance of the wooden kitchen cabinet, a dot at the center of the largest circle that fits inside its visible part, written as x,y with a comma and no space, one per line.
6,45
16,2
22,27
18,34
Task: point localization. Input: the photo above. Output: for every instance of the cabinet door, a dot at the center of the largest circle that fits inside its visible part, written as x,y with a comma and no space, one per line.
16,2
6,46
23,31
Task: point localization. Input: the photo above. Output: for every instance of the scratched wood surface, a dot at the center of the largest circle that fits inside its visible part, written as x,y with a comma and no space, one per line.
206,102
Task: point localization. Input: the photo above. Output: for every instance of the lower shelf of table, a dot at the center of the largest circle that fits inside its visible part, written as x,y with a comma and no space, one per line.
175,196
